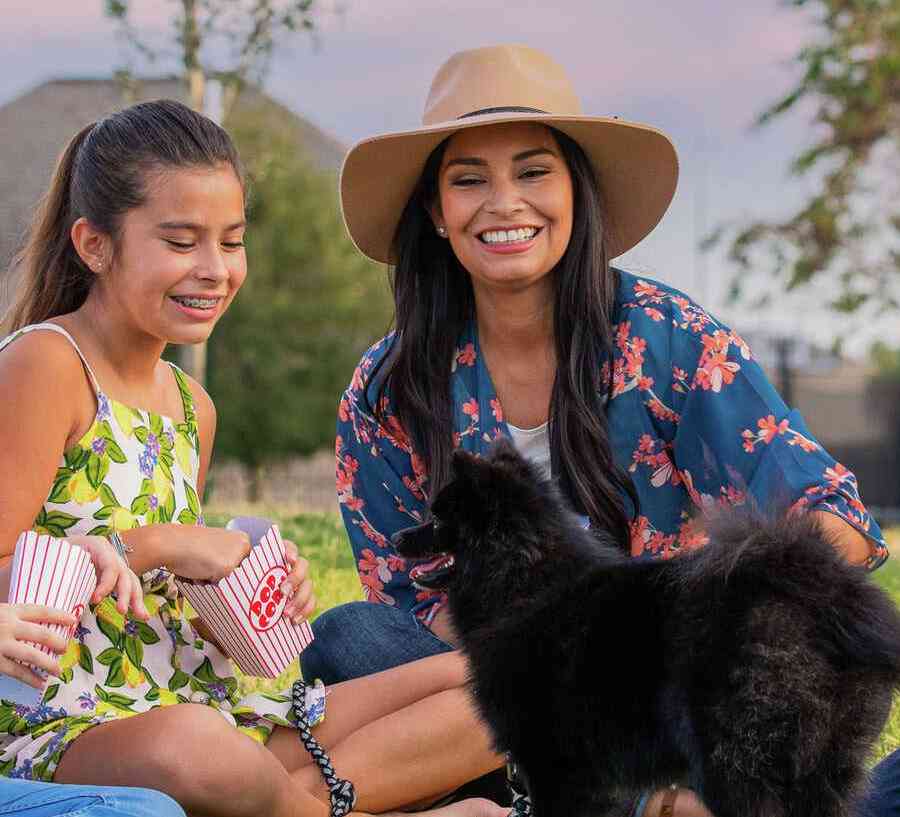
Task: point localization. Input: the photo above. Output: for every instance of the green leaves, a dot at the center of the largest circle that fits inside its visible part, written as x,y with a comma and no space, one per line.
56,523
846,231
178,680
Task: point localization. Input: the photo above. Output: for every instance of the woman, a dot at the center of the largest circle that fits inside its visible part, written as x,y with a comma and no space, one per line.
499,217
140,243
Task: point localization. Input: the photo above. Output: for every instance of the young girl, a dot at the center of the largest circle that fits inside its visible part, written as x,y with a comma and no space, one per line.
139,243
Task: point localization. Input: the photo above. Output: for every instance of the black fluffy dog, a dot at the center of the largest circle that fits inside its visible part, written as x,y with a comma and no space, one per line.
758,670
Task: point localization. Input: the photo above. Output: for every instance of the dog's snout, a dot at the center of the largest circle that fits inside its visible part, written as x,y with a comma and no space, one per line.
415,541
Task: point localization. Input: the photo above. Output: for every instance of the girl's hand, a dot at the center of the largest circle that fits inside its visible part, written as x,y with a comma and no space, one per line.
297,585
113,574
21,623
201,553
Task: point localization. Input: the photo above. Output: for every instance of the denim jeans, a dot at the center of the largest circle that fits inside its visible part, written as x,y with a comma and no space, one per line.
883,799
32,798
363,637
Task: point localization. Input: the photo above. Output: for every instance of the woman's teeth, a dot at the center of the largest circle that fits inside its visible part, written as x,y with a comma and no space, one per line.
195,303
508,236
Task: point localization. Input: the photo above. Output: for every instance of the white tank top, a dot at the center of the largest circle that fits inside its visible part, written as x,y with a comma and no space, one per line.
533,444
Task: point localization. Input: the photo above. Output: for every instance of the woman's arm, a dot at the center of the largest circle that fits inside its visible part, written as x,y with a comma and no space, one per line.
737,441
855,548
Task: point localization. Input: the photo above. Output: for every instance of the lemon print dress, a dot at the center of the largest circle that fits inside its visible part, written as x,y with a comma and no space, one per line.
131,468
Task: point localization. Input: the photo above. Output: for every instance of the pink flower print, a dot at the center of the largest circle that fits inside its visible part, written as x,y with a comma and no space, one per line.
466,356
373,589
640,534
470,408
396,563
837,475
356,382
373,535
663,472
749,440
377,565
661,411
770,429
644,290
497,409
733,496
653,313
691,535
396,433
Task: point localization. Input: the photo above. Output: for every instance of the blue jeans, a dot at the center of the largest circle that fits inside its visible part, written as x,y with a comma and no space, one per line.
363,637
32,798
883,799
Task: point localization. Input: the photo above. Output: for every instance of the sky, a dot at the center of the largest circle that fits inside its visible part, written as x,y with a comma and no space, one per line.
700,70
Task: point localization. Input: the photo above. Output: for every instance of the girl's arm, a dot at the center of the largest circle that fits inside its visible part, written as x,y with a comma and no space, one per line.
47,403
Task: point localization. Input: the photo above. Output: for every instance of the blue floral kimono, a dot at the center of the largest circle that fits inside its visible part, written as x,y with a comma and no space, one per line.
692,419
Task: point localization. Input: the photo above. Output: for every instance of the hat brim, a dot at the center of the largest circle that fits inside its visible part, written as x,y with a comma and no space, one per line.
636,167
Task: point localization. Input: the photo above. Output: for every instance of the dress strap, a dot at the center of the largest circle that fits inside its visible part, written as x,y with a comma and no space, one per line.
187,396
59,331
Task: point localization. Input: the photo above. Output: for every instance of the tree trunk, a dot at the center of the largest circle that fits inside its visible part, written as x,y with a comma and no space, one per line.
255,474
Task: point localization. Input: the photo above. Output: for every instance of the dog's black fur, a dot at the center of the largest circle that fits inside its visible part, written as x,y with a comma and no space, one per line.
757,670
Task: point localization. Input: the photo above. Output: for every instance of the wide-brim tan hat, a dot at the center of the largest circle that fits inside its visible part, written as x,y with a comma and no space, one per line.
636,165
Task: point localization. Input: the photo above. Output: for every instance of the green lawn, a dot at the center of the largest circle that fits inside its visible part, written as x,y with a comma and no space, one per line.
322,540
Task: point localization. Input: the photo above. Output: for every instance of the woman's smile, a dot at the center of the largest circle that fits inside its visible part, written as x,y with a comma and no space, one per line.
509,240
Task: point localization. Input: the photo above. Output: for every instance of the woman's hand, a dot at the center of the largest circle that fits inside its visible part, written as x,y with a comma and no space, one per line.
201,553
113,574
297,585
23,623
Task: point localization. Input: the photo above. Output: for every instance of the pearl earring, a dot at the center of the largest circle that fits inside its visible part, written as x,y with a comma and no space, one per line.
442,232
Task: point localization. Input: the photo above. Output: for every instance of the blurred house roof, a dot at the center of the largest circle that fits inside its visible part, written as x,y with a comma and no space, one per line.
35,127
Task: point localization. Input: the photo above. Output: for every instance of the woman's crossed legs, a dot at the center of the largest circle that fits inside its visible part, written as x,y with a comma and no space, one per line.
401,736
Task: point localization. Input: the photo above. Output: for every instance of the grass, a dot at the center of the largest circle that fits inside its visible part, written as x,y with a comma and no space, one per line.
888,576
322,540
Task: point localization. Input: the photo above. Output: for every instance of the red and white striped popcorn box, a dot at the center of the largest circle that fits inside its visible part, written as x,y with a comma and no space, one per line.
55,573
245,610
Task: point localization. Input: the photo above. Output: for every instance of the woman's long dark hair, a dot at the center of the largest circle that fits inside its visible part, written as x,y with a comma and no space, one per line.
100,176
434,301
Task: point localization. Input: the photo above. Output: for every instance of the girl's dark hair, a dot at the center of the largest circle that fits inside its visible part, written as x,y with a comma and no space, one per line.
101,175
433,301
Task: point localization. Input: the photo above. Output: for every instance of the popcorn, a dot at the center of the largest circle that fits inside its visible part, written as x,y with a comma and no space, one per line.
55,573
245,610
